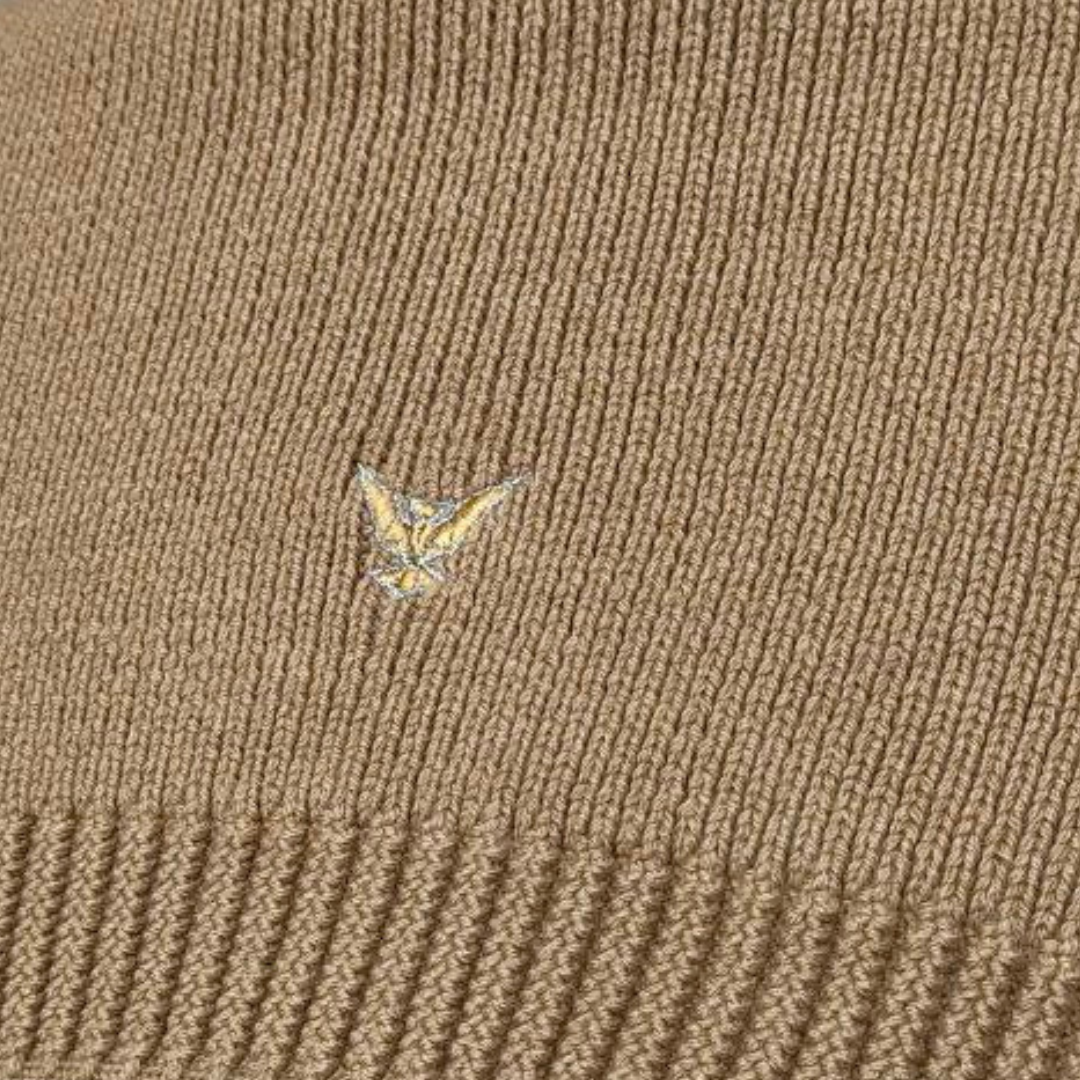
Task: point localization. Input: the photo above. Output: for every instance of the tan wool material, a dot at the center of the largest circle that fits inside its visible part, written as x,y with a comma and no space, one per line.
539,540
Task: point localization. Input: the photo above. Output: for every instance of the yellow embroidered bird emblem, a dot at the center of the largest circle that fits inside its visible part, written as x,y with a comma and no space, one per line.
416,534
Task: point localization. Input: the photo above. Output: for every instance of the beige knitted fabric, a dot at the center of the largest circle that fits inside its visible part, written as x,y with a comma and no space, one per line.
743,741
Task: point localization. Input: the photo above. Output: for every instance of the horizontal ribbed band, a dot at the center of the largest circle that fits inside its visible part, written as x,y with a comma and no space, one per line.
133,944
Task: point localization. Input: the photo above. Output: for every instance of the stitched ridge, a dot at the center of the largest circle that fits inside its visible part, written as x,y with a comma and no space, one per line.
321,948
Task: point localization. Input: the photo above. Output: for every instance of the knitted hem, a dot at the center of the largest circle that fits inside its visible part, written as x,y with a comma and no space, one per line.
141,945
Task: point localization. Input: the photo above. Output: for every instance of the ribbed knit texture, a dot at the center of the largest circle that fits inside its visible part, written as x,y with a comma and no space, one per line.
745,744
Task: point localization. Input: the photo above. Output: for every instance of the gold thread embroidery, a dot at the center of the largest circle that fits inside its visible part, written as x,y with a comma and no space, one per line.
416,534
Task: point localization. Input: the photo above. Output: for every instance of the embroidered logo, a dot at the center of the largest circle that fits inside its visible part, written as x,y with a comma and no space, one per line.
416,534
